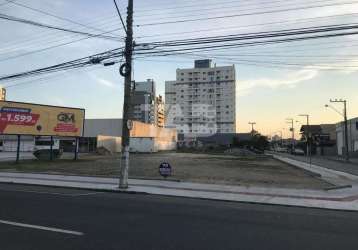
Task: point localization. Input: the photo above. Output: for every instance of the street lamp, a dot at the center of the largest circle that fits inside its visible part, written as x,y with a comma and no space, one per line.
252,126
344,114
290,120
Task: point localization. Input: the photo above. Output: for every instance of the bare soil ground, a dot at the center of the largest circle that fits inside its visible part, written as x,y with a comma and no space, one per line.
202,168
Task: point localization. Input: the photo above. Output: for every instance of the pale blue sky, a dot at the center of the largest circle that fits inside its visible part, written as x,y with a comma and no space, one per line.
265,94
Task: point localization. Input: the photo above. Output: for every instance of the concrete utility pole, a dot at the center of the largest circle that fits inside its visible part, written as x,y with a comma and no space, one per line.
345,126
307,134
126,71
290,120
252,126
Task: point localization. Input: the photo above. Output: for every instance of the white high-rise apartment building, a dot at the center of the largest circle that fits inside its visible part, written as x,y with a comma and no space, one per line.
202,100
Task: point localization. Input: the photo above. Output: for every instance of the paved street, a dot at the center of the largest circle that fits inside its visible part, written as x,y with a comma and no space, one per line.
56,218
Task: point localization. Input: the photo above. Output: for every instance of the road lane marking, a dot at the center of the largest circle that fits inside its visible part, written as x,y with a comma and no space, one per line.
51,229
51,193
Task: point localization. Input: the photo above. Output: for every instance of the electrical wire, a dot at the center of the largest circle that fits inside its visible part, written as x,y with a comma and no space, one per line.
245,14
42,25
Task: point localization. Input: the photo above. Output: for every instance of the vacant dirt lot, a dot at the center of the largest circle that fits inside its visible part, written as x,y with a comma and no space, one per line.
204,168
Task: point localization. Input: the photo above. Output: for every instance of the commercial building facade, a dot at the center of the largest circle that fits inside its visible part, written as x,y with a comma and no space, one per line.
202,100
144,137
352,137
104,133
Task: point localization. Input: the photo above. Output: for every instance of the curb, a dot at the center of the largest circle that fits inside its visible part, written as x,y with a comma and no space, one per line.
80,188
119,191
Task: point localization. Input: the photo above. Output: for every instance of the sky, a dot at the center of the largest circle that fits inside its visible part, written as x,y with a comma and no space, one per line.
274,82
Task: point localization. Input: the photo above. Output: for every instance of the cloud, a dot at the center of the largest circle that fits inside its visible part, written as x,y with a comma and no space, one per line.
290,80
102,81
105,82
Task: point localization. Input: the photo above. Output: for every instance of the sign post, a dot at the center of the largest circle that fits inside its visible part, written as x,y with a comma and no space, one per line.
18,149
51,149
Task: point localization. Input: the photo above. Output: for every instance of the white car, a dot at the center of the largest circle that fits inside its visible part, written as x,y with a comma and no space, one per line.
298,151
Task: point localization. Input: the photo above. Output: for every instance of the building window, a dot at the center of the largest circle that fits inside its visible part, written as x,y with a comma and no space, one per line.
190,79
211,73
182,74
226,77
182,79
356,125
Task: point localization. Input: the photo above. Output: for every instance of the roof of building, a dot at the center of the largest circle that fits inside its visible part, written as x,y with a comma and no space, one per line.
314,129
224,138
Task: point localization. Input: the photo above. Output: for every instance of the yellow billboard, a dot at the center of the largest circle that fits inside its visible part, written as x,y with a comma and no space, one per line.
35,119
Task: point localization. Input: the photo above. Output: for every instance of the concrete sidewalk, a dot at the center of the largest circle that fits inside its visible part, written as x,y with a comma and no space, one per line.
328,163
344,199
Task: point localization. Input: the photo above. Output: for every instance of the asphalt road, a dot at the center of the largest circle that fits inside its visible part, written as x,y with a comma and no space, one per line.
55,218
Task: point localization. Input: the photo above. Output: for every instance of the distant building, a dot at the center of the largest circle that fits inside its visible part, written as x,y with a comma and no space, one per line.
159,111
2,94
202,100
323,138
170,104
142,102
352,137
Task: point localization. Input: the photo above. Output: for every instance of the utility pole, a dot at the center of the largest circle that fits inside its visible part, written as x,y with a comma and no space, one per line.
307,134
290,120
345,126
126,71
252,127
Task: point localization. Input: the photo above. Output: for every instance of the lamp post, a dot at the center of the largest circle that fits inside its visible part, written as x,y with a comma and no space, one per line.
290,120
345,122
252,127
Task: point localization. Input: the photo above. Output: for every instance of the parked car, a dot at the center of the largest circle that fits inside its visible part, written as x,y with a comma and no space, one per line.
281,150
298,151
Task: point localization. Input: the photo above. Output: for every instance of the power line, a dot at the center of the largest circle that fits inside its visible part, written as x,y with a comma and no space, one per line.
219,29
120,16
205,43
53,15
42,25
254,35
232,40
178,7
246,14
204,11
48,48
81,62
45,38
